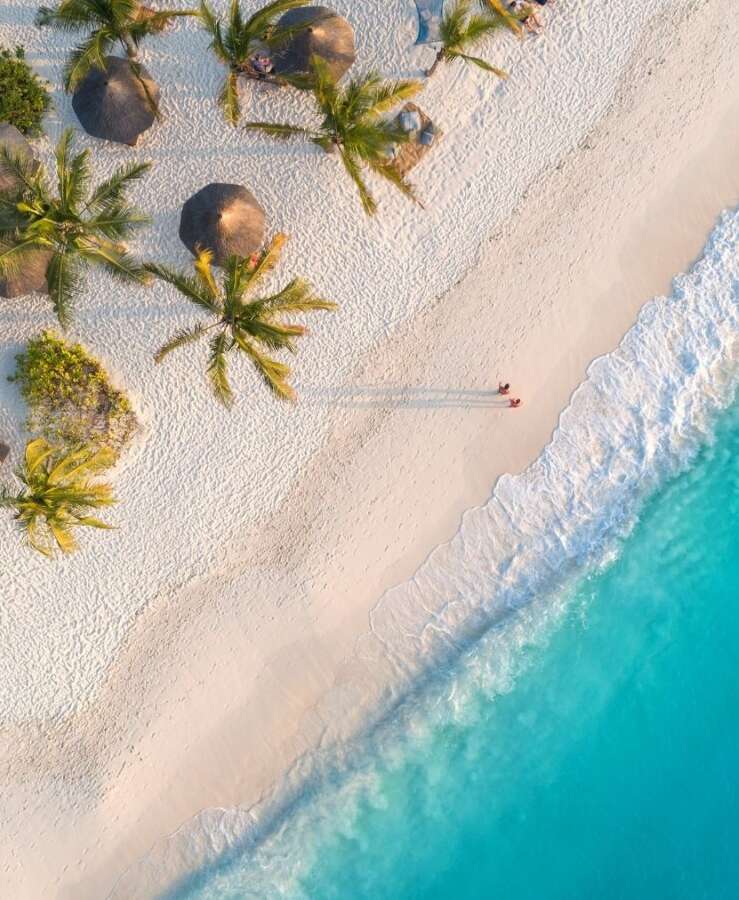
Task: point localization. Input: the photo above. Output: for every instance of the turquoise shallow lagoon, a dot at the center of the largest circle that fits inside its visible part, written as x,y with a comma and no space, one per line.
610,770
605,767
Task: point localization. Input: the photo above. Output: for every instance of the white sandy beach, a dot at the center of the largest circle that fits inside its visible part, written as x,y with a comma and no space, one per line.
187,660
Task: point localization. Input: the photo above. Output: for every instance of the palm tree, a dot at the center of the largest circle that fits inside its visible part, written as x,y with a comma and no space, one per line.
110,22
78,226
253,327
236,42
59,489
460,30
353,126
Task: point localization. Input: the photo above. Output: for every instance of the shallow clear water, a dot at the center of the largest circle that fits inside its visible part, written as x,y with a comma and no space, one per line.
610,769
606,768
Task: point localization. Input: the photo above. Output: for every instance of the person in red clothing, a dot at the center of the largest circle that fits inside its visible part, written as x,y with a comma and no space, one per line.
515,402
503,388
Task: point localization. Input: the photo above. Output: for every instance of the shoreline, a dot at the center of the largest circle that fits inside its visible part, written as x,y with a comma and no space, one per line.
314,598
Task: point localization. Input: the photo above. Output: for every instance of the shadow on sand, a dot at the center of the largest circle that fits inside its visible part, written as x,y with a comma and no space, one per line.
387,396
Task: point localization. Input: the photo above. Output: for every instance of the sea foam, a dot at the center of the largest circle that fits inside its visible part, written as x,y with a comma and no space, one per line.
637,420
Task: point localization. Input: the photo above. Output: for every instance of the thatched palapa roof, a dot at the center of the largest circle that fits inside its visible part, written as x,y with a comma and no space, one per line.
326,34
112,103
30,277
11,138
224,218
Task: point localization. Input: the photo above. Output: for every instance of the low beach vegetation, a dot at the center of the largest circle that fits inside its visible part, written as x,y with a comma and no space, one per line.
59,489
76,225
70,398
24,98
354,126
254,327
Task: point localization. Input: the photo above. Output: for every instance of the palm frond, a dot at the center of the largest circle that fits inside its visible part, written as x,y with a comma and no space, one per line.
228,99
350,164
325,88
74,178
90,54
498,10
62,280
481,64
273,335
188,286
37,451
15,251
269,259
19,165
112,189
156,23
207,17
297,296
70,15
180,339
479,27
391,174
272,372
371,141
217,365
453,22
118,262
234,283
116,222
389,93
258,25
204,272
279,131
150,98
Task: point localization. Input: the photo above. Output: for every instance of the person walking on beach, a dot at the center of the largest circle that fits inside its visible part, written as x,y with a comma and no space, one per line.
514,402
503,388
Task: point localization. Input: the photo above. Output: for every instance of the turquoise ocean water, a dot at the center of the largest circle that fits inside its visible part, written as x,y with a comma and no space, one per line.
610,767
562,720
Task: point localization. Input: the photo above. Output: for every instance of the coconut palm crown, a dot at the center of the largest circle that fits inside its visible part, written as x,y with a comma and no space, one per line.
109,22
77,224
253,327
354,126
461,30
59,488
237,40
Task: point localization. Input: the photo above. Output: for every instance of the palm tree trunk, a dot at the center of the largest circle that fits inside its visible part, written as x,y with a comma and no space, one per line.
439,58
129,46
132,54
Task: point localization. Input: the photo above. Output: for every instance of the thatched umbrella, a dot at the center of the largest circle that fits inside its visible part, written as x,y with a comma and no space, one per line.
30,277
116,104
326,34
224,218
11,138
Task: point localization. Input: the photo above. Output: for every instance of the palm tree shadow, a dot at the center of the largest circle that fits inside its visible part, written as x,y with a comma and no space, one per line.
392,397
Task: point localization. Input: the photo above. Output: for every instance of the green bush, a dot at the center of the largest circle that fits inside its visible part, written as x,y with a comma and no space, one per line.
71,401
23,96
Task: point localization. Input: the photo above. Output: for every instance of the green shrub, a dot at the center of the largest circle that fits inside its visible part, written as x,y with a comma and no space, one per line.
70,399
23,96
